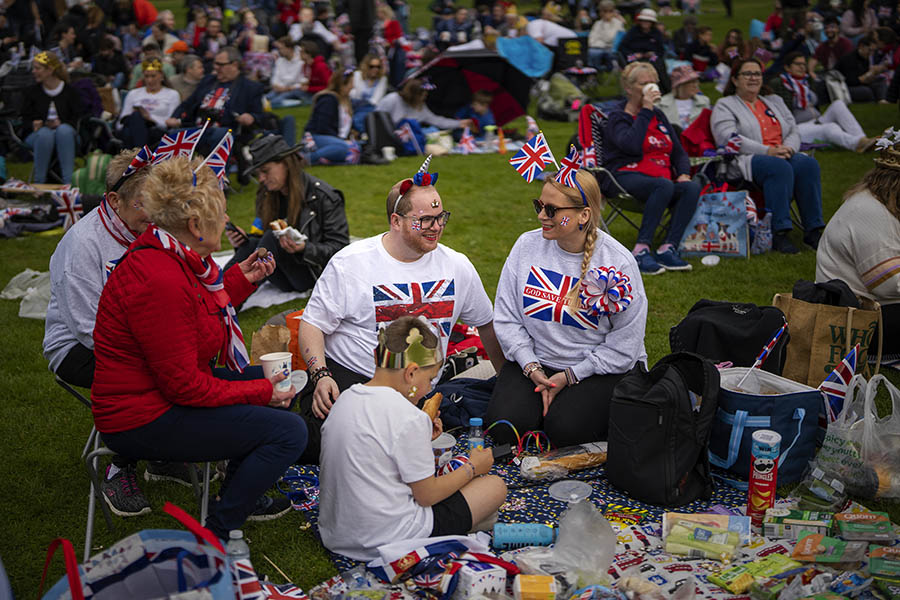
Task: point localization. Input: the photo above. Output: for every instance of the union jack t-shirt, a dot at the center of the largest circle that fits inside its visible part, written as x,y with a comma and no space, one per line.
363,289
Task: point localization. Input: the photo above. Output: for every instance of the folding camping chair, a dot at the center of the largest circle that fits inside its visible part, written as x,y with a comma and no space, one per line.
90,458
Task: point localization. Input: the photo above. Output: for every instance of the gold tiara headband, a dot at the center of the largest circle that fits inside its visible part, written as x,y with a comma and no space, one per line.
153,64
415,352
47,59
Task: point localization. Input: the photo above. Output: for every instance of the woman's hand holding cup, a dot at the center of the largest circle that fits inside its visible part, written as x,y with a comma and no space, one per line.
281,399
651,95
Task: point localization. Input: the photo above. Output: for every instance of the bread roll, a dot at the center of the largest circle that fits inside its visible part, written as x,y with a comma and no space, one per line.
432,405
278,225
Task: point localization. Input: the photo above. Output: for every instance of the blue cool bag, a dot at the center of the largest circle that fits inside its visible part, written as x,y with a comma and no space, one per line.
719,225
766,401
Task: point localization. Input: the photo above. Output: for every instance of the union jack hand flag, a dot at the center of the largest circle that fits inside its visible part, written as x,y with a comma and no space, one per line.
532,158
140,160
218,158
404,133
467,142
182,144
309,144
835,385
570,165
533,128
352,154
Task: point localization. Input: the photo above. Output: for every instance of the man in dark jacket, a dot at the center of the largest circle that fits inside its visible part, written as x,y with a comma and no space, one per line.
864,79
229,100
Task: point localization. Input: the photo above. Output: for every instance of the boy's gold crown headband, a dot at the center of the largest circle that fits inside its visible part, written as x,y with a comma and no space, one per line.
889,146
415,352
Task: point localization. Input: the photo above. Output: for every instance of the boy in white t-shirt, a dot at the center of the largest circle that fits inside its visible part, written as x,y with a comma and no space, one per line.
377,479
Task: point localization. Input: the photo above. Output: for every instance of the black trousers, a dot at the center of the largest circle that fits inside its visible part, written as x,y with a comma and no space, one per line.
344,378
290,274
578,414
77,368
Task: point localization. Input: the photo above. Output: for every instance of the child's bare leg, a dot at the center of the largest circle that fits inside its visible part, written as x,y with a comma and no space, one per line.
484,495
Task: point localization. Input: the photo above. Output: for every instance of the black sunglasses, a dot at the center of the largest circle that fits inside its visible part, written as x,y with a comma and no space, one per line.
549,209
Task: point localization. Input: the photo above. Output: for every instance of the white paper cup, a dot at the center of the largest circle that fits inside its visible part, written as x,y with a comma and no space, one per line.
299,379
443,448
274,363
651,87
389,153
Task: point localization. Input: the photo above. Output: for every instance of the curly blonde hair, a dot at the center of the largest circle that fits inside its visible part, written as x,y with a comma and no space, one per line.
595,204
132,186
171,199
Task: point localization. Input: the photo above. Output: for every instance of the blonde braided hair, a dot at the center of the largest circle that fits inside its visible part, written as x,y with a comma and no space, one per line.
595,206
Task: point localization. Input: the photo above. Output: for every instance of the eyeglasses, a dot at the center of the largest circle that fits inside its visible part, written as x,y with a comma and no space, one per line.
224,64
375,66
751,74
549,209
428,221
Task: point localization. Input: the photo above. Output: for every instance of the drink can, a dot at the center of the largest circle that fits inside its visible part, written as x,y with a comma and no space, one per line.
764,451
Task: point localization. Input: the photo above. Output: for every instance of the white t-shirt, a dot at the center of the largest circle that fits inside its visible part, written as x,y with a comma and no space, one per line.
548,32
160,105
363,288
684,111
374,443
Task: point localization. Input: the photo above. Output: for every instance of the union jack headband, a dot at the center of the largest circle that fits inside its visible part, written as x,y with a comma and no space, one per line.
421,178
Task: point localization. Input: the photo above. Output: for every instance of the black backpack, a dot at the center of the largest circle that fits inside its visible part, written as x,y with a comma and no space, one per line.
732,331
659,427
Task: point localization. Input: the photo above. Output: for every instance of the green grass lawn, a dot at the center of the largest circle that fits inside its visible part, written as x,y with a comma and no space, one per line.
45,487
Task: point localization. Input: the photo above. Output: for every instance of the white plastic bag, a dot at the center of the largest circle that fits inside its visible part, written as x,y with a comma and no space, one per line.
881,436
19,284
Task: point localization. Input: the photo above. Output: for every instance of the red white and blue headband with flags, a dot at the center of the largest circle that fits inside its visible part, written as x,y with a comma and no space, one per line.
422,178
535,155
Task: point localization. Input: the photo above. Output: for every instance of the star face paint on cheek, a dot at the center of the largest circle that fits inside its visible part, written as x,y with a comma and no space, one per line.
564,222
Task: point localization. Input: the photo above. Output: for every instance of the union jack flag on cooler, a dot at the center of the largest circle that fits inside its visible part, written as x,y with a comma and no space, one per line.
532,158
181,143
432,300
546,298
246,582
467,141
569,166
68,204
836,384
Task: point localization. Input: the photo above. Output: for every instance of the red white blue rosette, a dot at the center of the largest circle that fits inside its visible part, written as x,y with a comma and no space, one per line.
605,291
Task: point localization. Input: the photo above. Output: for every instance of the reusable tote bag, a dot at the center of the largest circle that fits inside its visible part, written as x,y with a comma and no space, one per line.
822,334
765,401
719,225
154,563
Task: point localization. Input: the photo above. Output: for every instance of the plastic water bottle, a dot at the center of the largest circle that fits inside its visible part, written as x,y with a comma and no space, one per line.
236,548
476,434
508,536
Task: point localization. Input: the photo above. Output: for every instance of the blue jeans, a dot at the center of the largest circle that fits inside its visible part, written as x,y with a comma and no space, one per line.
601,59
782,179
260,443
43,141
657,194
331,148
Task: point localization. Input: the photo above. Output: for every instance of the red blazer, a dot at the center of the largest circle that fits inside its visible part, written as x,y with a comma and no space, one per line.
156,333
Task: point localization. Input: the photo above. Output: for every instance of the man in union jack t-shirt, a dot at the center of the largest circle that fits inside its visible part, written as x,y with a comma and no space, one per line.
368,284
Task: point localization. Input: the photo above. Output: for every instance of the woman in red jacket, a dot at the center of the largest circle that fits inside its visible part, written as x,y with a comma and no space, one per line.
164,317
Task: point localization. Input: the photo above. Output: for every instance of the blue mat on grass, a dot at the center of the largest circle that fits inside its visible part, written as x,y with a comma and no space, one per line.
530,502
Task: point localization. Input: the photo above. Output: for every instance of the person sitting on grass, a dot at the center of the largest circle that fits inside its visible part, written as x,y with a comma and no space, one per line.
331,121
377,480
478,111
861,244
563,362
306,203
164,318
836,126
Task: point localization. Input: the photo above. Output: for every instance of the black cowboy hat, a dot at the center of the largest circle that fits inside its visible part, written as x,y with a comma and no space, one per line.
268,148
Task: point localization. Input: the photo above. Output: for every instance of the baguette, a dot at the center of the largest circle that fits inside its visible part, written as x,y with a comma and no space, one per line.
432,405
